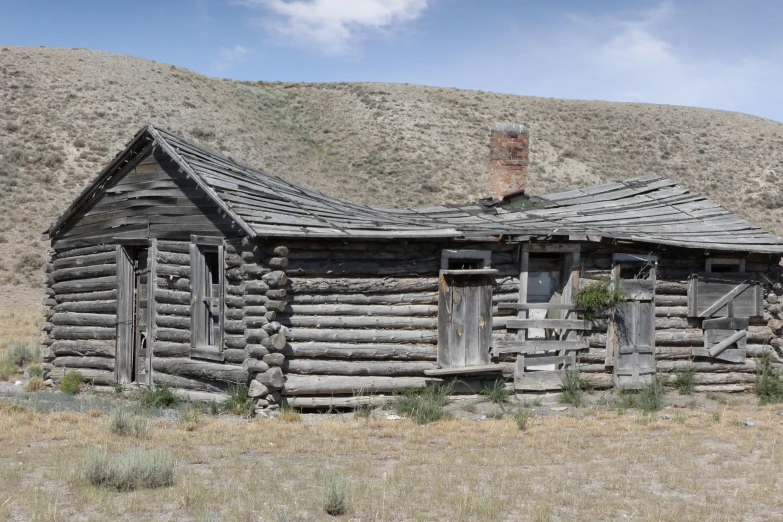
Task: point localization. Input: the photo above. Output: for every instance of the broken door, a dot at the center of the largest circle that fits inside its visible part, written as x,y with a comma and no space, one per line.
133,317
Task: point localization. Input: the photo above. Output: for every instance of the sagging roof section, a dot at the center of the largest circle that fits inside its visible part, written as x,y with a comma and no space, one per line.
648,209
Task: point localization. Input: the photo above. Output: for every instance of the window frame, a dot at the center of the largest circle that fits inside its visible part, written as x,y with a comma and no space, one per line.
199,333
725,261
485,256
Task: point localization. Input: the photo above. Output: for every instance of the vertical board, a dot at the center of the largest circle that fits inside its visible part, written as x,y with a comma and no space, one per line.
152,267
141,308
123,362
471,309
197,319
485,321
457,331
444,320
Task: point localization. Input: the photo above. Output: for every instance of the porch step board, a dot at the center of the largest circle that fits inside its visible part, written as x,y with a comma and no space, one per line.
539,381
470,370
532,346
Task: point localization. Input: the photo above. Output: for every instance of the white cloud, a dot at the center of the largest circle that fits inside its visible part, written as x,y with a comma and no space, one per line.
226,58
332,26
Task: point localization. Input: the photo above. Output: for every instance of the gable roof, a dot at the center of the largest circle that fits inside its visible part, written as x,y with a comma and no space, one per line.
648,209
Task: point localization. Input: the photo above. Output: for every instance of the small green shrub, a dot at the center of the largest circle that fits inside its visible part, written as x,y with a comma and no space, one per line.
335,502
35,384
649,398
35,370
23,354
7,367
425,405
769,387
685,381
521,417
238,401
130,470
598,298
127,424
496,392
363,411
572,389
190,417
160,397
71,383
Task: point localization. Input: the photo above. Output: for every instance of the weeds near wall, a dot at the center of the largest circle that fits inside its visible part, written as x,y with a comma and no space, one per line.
769,387
71,383
496,392
599,298
685,381
573,389
521,417
161,397
425,405
238,401
649,398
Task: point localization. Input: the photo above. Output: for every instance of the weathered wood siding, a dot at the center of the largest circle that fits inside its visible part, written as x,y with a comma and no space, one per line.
151,200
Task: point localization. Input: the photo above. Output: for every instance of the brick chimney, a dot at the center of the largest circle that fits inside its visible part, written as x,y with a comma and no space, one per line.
508,157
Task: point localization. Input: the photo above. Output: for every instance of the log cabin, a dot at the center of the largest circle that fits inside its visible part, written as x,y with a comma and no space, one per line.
180,267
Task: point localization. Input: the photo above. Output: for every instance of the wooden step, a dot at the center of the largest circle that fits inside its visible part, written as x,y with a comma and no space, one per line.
561,324
470,370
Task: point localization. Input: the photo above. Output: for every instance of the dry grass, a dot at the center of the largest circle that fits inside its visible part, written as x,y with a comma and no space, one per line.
592,465
67,112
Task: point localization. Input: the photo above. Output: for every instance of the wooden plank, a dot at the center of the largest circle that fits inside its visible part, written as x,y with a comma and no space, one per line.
533,346
716,305
726,323
366,368
469,370
124,315
567,324
735,355
333,384
537,306
445,318
550,248
539,380
456,343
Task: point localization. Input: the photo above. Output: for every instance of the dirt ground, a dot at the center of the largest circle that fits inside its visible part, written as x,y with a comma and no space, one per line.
703,457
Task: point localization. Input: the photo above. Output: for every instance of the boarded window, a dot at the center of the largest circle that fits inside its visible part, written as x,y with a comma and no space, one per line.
206,296
724,295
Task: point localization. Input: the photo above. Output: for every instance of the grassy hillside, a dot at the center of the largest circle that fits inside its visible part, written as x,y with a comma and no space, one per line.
65,113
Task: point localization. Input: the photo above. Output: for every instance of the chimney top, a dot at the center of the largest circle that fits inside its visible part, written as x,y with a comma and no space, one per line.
508,160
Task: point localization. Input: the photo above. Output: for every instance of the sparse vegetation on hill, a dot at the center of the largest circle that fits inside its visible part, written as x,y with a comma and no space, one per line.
65,113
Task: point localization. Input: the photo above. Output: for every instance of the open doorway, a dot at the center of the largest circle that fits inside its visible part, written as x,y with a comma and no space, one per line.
133,318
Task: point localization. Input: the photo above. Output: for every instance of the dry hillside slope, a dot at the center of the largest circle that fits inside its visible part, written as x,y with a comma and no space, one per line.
65,113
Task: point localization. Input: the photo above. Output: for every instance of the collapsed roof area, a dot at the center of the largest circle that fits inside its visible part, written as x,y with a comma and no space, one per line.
649,209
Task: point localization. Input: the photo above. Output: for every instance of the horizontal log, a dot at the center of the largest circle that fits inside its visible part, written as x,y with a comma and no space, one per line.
234,356
200,369
173,258
274,342
84,319
256,287
336,402
663,323
83,333
671,311
201,396
173,321
235,343
163,270
255,310
87,306
671,287
255,366
85,272
173,283
86,285
369,336
172,335
387,285
328,321
98,363
172,309
333,384
598,381
749,366
172,296
255,300
685,337
85,251
87,260
362,310
671,300
169,349
88,375
713,378
407,352
83,348
178,247
366,368
275,278
176,381
86,296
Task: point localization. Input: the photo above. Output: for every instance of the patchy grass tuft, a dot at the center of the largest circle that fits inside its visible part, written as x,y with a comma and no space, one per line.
521,417
238,401
425,405
35,384
496,392
23,354
288,414
572,389
685,381
649,398
335,502
127,424
131,470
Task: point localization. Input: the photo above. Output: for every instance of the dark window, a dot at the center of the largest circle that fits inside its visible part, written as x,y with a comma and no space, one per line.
206,289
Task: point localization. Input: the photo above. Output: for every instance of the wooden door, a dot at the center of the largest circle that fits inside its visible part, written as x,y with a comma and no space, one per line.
633,324
132,361
141,315
464,318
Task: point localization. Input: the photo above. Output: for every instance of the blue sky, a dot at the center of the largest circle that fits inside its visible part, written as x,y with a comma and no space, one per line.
719,54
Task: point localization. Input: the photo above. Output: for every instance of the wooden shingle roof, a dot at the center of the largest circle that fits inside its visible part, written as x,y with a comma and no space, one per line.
647,209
